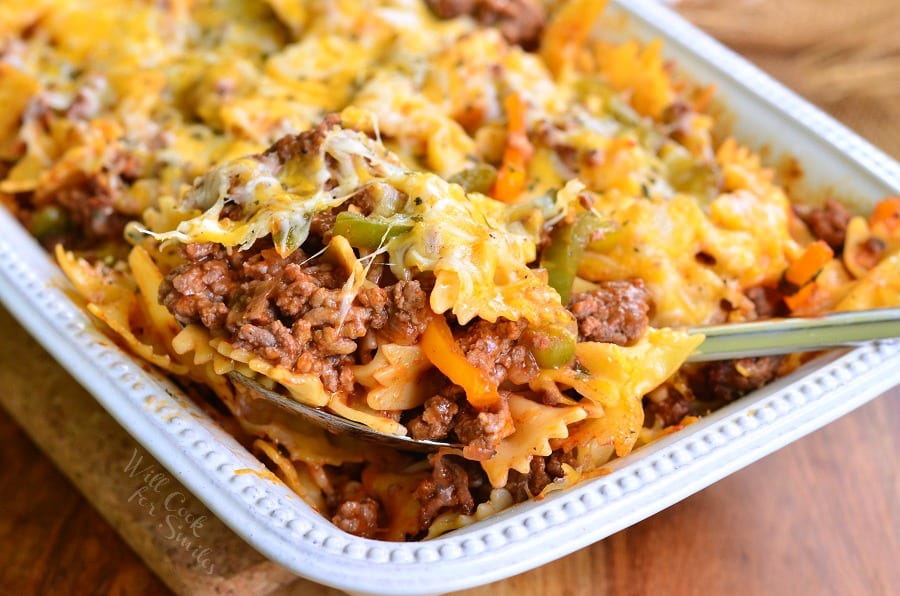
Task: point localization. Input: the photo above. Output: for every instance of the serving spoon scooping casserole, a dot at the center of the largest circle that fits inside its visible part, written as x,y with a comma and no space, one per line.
722,342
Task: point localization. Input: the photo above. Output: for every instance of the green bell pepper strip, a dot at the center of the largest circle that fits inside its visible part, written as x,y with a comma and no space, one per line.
478,178
567,245
552,347
364,232
49,221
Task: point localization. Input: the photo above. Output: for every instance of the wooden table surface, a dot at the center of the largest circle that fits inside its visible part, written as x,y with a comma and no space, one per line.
821,516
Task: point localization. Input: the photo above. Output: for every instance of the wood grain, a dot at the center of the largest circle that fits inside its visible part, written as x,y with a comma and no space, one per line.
821,516
52,539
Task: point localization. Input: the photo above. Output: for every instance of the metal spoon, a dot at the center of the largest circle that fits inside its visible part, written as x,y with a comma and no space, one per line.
800,334
335,423
723,342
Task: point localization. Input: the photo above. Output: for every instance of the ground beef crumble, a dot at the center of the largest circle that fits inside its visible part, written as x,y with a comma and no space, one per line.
495,348
480,431
519,21
305,143
666,406
767,302
436,420
828,223
288,310
358,517
448,416
408,312
729,379
352,510
544,470
616,312
448,488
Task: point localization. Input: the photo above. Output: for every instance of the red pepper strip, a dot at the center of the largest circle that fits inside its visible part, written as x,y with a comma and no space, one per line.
446,355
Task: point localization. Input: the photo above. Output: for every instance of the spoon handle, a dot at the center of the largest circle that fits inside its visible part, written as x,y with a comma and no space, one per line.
802,334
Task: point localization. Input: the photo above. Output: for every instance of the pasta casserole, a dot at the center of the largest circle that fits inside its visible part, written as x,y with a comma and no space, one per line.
486,222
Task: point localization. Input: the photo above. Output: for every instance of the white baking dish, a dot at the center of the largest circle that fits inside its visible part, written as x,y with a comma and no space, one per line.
278,524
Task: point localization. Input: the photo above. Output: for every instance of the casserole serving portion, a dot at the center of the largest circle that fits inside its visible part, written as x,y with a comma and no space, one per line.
436,225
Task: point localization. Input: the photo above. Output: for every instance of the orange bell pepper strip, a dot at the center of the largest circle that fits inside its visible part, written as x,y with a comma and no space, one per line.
799,279
801,297
513,169
804,269
445,354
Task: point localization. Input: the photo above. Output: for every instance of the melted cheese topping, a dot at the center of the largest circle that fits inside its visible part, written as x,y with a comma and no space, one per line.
198,82
480,262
